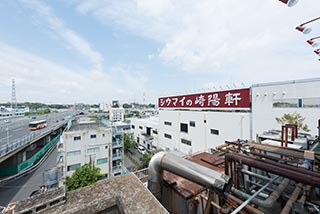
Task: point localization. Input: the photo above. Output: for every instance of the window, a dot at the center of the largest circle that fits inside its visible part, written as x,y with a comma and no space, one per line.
103,135
76,138
214,131
140,127
133,127
102,161
155,132
187,142
285,103
73,153
192,124
167,136
311,103
73,167
93,136
93,150
184,127
167,123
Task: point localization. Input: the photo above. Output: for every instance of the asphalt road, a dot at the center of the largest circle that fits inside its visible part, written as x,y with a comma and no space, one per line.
23,187
17,128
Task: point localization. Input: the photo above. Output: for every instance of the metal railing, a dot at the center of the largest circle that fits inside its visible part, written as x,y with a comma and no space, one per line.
9,147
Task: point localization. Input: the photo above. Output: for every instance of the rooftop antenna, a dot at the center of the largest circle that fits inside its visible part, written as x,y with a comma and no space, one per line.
13,96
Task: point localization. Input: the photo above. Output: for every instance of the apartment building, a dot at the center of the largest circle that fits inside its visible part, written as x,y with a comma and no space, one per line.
145,131
86,141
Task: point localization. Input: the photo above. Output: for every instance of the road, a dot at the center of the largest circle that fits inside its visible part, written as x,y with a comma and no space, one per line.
23,187
17,128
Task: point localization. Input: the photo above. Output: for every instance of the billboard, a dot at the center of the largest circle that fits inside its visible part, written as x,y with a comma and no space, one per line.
231,99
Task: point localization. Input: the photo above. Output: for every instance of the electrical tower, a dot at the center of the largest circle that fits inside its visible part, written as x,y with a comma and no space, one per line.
13,96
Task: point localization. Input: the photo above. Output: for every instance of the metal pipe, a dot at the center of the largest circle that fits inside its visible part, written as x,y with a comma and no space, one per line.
269,201
239,201
192,171
297,174
253,196
292,199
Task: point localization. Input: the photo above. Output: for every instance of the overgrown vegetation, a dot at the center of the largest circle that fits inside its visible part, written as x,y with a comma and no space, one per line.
145,159
83,176
295,119
127,141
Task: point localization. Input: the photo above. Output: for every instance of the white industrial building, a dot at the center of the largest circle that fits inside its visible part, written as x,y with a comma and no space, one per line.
199,122
86,141
145,131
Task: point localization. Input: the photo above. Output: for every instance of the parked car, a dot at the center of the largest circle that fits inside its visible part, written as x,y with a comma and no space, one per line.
36,192
142,150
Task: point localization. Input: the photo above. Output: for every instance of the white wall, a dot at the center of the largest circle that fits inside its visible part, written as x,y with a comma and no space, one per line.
84,144
230,125
264,114
151,122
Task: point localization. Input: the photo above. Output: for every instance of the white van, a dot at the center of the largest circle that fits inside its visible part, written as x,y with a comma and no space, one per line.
142,150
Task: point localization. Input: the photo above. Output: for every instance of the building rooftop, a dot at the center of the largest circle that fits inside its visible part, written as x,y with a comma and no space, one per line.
123,194
86,125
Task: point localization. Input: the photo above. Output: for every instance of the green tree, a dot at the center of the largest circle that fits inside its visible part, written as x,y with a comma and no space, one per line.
294,118
127,141
83,176
145,159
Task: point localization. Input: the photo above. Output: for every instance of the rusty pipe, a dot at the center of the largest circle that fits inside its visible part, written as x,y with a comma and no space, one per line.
239,201
292,199
299,175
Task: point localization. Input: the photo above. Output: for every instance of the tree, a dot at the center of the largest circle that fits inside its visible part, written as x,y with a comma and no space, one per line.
127,141
83,176
294,118
145,159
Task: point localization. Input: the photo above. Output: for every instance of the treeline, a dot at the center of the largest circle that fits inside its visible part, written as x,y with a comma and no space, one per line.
36,106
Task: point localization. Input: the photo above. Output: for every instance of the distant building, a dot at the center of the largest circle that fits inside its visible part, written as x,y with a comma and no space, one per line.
89,142
116,112
145,131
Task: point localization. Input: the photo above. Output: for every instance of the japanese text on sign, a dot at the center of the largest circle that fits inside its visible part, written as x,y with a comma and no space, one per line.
239,98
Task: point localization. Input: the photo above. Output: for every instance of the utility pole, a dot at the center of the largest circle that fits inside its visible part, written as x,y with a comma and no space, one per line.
13,96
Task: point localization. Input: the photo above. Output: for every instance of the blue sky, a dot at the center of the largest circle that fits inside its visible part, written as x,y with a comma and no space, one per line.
68,51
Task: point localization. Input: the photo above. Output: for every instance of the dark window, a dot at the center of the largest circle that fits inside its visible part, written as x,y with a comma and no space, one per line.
300,103
167,136
77,138
214,131
187,142
140,127
192,124
184,127
103,135
167,123
133,126
73,167
93,136
155,132
205,121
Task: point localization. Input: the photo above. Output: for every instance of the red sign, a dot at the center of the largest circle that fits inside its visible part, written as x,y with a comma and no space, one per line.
239,98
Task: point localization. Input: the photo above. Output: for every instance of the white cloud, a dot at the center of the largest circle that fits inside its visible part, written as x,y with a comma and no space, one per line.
39,79
217,37
73,40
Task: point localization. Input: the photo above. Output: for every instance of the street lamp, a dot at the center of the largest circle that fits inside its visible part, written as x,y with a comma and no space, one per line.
317,52
312,42
306,29
290,3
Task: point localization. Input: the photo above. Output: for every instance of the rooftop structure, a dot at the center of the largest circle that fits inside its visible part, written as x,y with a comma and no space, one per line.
124,194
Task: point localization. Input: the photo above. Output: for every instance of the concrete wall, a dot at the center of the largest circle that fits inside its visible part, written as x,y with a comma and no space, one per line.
229,125
153,124
103,139
263,97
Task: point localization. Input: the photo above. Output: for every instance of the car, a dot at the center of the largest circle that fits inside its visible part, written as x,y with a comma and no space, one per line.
36,192
142,150
55,121
33,117
7,121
